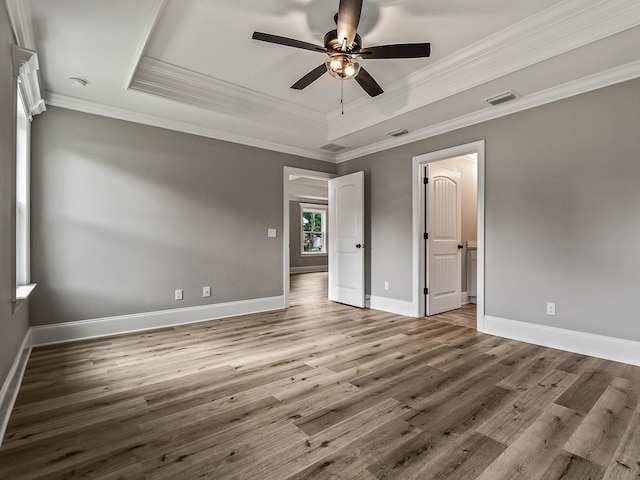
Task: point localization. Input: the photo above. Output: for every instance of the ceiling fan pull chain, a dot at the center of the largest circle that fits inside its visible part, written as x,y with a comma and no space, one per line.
342,94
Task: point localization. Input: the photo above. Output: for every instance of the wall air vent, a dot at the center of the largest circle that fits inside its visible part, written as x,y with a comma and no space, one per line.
398,133
501,98
332,147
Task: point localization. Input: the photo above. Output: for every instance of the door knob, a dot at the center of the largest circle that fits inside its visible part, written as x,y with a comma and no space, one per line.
359,245
460,247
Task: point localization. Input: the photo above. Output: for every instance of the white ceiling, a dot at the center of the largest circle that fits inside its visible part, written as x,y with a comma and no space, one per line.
191,65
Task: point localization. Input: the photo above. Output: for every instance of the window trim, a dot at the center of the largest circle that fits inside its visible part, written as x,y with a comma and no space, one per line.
320,208
26,92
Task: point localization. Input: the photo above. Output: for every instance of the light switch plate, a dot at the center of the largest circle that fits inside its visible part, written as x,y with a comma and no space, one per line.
271,233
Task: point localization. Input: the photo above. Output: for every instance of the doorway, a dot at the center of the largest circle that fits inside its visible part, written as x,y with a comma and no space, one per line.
345,242
305,195
450,247
470,256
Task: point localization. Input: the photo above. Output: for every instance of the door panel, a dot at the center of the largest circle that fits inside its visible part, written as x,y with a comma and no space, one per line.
444,224
346,232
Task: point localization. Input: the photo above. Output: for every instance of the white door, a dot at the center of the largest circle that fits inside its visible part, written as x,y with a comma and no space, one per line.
444,225
346,239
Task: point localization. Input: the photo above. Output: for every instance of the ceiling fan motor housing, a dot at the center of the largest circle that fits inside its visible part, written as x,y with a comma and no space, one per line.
332,44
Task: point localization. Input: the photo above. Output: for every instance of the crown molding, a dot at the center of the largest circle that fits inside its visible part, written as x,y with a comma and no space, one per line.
615,75
20,17
94,108
149,27
27,69
195,89
563,27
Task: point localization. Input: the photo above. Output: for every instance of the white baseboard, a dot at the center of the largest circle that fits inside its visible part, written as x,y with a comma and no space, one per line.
102,327
464,298
11,384
609,348
311,269
399,307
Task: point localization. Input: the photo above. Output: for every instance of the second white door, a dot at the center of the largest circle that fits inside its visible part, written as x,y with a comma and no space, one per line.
444,253
346,239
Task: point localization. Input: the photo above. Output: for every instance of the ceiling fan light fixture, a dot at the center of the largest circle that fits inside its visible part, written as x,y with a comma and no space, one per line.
343,66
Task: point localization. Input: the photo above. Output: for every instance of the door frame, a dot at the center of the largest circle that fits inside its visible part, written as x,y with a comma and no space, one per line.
286,234
418,191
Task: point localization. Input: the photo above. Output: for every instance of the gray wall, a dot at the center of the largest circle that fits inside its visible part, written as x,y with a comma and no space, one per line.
296,259
123,214
562,224
13,327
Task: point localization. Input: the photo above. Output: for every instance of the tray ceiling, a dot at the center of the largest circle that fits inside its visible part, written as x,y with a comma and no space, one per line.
191,65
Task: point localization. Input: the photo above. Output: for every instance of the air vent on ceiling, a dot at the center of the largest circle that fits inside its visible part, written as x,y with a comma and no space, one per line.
398,133
501,98
332,147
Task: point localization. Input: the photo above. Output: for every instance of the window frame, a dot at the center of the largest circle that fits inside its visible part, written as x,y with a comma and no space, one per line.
315,208
27,94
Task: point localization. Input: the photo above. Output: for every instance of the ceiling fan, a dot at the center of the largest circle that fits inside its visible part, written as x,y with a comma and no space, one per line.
344,50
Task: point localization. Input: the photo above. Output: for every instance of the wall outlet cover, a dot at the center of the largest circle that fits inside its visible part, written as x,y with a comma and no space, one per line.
271,233
551,308
206,291
178,295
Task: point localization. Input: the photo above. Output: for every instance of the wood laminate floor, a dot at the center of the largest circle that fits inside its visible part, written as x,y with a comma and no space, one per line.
321,391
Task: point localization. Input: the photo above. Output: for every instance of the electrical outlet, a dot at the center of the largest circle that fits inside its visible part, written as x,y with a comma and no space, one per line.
206,291
386,285
272,233
178,295
551,308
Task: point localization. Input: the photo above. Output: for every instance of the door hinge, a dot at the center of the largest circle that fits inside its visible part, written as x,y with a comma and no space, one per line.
426,291
425,180
426,236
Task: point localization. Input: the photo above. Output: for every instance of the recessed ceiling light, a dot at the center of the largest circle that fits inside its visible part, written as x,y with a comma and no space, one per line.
78,81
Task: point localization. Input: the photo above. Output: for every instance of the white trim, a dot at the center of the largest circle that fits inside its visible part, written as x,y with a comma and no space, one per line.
610,348
314,206
309,269
102,327
563,27
150,25
477,147
185,86
603,79
23,291
391,305
11,384
286,234
27,69
464,298
20,17
94,108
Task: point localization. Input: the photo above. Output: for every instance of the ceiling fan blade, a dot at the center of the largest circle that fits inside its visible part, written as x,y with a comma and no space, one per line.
348,20
289,42
368,84
402,50
310,77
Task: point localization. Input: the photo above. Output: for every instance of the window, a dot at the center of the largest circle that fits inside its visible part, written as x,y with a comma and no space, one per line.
314,228
28,103
23,130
